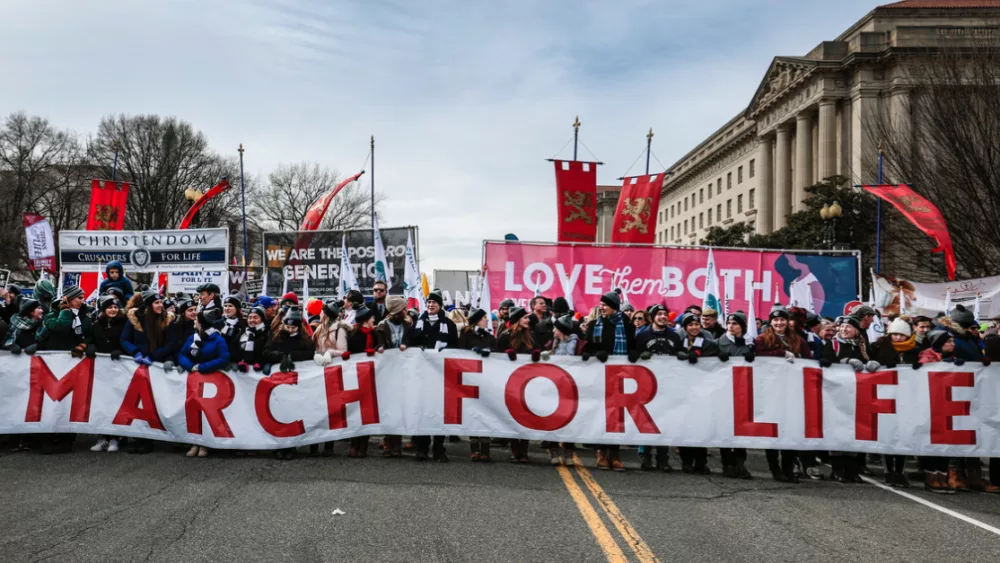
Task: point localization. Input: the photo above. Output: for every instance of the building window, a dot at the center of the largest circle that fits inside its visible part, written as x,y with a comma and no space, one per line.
701,196
739,203
701,220
693,200
709,217
685,204
729,180
751,167
729,209
718,212
750,199
671,232
685,226
709,190
718,187
739,175
671,211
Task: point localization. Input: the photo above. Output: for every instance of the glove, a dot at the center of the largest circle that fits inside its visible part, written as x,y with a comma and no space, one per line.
231,366
789,357
485,352
693,357
319,359
476,350
825,363
91,351
168,366
194,368
242,367
750,356
723,357
78,351
266,369
646,356
30,350
137,357
917,365
15,349
986,362
585,356
545,356
511,354
858,365
959,361
602,356
345,356
633,356
682,355
535,356
370,352
287,364
891,365
402,347
259,368
872,366
116,355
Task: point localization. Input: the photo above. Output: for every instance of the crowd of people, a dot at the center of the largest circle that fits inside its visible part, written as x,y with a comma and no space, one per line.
205,332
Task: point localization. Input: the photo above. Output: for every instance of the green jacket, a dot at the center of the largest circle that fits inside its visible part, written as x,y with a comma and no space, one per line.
59,329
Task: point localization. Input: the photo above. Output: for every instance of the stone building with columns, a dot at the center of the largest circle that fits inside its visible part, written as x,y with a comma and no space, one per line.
806,121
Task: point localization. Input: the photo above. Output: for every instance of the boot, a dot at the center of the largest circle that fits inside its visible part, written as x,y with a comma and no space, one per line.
554,457
646,460
484,450
772,463
313,450
956,481
741,472
328,449
974,474
602,459
474,450
852,470
837,465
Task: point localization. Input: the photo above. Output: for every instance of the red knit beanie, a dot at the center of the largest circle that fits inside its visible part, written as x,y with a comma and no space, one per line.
290,297
314,307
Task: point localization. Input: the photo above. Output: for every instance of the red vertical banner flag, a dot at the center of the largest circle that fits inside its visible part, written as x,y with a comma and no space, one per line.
635,217
924,215
576,192
107,205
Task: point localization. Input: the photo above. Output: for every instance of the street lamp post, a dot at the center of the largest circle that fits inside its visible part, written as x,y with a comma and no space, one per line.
830,214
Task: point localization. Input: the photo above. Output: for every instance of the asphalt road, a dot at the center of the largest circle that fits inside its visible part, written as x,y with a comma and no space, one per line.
165,507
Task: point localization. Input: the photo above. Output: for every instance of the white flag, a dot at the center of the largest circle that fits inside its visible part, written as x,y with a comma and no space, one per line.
305,287
97,288
484,300
876,330
347,279
411,278
474,301
902,301
712,293
383,269
947,301
809,305
976,309
155,286
751,320
263,287
284,282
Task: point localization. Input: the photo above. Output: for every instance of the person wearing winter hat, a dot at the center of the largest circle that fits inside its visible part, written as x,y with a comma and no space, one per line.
23,331
147,337
798,322
364,339
433,331
233,327
183,323
658,340
865,315
960,324
116,278
314,309
560,307
898,346
290,345
475,336
45,292
518,339
609,335
395,330
270,307
779,339
253,342
208,296
734,344
205,351
504,312
10,302
70,326
330,336
108,329
694,346
710,322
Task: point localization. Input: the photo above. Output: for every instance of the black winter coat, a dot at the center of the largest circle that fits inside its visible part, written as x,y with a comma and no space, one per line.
607,342
233,338
261,339
299,346
665,343
357,341
108,333
473,338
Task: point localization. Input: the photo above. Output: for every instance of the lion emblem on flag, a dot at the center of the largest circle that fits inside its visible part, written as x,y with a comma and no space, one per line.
577,203
105,217
638,212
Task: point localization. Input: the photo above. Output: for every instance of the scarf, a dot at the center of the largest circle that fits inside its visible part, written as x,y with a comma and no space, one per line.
396,333
858,343
369,337
246,341
737,340
442,335
906,345
230,326
196,341
621,344
77,324
18,325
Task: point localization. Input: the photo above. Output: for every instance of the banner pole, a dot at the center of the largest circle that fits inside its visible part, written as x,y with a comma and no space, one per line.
649,143
878,214
243,198
576,134
373,181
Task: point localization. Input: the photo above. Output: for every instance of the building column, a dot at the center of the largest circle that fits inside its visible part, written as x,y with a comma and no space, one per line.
827,139
765,187
864,150
803,159
782,176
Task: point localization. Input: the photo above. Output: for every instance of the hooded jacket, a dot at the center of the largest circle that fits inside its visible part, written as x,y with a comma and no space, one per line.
108,333
121,283
966,345
212,353
134,338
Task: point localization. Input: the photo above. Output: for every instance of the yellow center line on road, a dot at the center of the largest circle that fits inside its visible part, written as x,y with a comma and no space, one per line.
641,549
593,520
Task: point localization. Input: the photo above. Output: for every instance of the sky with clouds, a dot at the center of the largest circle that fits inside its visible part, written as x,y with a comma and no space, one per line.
466,99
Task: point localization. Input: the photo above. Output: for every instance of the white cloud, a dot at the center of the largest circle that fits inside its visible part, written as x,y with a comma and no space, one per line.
466,99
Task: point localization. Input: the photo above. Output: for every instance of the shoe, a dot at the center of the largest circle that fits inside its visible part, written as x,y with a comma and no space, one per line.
568,460
864,470
100,446
441,458
617,465
646,463
328,449
956,481
112,446
902,481
410,446
421,456
192,452
202,452
974,479
554,457
937,483
602,460
742,472
313,450
780,477
476,457
814,472
665,467
279,454
991,489
353,452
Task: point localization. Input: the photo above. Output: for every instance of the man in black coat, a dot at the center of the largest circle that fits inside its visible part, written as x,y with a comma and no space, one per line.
378,308
433,331
659,340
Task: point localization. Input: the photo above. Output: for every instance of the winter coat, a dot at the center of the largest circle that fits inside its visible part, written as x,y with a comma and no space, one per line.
814,342
22,331
121,283
429,334
476,338
991,344
716,331
568,347
658,343
706,348
212,353
542,332
780,347
967,346
607,343
260,338
386,330
59,328
134,339
357,342
885,353
180,330
334,341
300,346
108,333
839,351
929,356
733,347
378,311
232,334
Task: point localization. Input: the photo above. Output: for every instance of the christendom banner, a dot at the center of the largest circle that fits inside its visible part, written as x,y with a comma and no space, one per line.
938,410
576,192
107,205
635,217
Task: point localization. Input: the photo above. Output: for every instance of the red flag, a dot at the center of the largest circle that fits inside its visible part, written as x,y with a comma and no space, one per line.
576,193
314,217
107,205
635,217
924,215
222,186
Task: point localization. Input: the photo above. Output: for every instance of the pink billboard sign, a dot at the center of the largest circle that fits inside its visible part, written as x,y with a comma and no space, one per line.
674,277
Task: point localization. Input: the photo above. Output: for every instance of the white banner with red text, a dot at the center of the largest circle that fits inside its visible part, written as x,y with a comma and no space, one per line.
939,409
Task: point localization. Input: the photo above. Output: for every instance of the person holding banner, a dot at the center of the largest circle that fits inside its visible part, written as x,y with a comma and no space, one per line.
519,339
290,345
147,336
253,342
330,337
205,351
233,327
183,325
696,343
364,339
70,327
396,331
659,340
22,335
433,331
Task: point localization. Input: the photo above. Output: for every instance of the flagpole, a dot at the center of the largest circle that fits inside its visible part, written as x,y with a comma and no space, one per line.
878,213
243,198
649,143
114,167
373,182
576,134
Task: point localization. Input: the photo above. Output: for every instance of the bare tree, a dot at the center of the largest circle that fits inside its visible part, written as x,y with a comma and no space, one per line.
943,137
283,202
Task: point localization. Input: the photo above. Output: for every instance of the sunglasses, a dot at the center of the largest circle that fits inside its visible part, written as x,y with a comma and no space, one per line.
377,290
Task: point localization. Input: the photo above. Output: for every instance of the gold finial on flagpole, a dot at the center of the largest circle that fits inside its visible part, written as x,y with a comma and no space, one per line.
649,136
576,123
